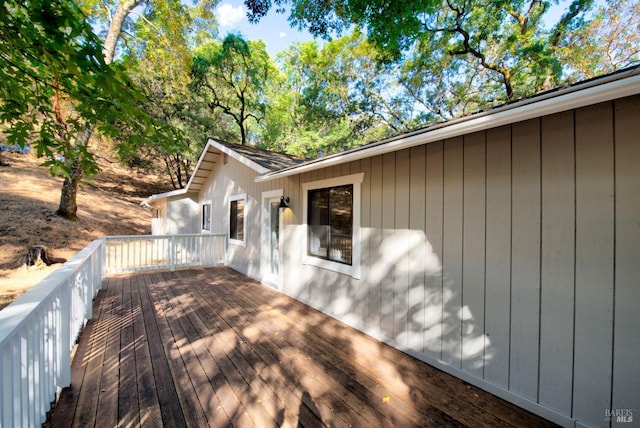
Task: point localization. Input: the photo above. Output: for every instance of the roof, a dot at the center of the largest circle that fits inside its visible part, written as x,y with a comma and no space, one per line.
273,161
271,165
261,161
606,88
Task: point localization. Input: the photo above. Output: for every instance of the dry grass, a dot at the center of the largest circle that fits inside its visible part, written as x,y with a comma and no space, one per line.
108,204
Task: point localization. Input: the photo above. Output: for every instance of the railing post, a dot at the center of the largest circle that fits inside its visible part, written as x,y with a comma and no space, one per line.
103,256
65,314
173,251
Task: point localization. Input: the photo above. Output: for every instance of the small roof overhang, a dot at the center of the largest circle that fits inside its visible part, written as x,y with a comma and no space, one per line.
607,88
211,154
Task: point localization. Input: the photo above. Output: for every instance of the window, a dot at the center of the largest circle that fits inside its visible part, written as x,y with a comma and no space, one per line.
206,217
237,219
332,214
330,223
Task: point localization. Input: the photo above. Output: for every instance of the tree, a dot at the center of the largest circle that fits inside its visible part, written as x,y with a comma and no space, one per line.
230,76
63,22
50,59
159,59
68,206
335,96
163,26
609,42
503,45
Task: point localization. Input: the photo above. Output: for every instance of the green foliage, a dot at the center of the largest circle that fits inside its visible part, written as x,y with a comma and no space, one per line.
49,57
231,77
452,51
607,43
334,97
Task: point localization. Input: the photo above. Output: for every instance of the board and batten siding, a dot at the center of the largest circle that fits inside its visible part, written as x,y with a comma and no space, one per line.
509,257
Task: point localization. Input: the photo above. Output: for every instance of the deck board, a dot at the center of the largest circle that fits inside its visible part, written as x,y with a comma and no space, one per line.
211,347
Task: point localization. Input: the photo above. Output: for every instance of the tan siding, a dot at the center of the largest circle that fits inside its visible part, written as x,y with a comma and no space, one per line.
594,262
473,338
402,247
557,275
498,256
417,249
452,252
433,316
525,261
365,257
376,265
492,254
389,244
626,373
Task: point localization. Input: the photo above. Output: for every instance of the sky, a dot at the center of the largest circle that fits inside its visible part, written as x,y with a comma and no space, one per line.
273,29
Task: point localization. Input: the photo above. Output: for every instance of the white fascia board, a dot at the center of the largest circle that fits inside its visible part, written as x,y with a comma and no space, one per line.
147,202
582,95
200,159
240,158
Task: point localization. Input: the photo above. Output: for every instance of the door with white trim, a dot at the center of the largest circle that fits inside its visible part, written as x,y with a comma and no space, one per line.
271,239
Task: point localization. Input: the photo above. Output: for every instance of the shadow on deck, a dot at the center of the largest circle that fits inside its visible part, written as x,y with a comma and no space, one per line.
211,347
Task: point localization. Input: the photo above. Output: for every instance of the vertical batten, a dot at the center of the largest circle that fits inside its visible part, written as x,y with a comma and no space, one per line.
498,259
626,351
594,263
557,264
433,299
473,271
525,262
452,261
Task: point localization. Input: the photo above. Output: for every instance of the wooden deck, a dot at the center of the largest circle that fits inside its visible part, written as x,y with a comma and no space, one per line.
211,347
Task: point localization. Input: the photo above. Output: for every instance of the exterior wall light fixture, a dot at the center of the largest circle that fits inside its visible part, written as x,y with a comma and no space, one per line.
284,202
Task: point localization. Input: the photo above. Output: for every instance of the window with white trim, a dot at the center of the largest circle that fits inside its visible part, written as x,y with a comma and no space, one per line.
330,223
332,220
206,217
237,219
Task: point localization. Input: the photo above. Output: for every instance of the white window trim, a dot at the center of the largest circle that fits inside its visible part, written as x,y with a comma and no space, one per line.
243,242
352,270
208,202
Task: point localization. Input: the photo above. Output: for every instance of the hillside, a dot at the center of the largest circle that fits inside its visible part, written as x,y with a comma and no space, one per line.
108,204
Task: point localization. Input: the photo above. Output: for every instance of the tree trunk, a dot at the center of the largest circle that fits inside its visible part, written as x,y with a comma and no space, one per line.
68,207
115,28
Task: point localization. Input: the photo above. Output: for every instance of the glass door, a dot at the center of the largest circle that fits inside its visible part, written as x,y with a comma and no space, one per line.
270,254
274,239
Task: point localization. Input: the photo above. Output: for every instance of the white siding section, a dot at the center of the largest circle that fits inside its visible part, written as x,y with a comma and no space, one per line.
182,215
228,181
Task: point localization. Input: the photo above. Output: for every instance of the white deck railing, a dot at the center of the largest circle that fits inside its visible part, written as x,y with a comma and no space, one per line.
39,329
153,252
37,334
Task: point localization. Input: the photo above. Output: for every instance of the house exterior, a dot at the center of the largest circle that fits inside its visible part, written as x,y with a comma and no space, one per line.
503,247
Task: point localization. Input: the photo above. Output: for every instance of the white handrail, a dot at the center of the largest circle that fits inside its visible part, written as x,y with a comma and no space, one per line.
39,329
154,252
37,333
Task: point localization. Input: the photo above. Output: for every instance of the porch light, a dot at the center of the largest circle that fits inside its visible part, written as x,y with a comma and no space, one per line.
284,202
